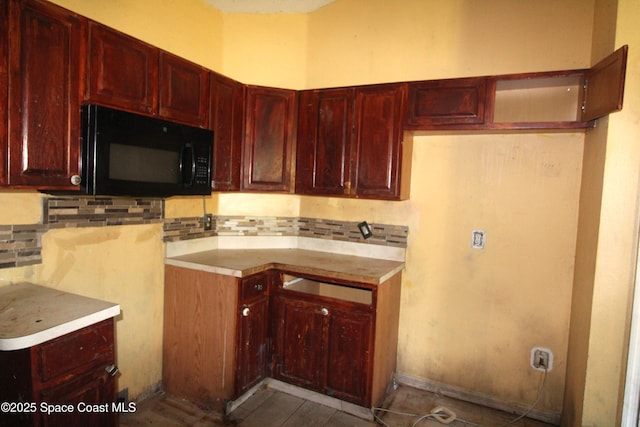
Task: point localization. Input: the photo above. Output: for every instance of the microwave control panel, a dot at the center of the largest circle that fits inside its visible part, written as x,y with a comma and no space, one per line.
202,171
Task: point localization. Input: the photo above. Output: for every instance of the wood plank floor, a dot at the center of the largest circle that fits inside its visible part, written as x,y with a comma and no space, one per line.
272,408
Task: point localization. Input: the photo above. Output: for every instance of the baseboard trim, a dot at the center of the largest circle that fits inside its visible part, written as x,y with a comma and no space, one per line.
312,396
477,398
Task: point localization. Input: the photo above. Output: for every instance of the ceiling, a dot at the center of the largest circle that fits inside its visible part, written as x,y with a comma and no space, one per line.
268,6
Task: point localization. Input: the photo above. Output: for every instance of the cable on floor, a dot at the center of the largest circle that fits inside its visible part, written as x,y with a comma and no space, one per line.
446,416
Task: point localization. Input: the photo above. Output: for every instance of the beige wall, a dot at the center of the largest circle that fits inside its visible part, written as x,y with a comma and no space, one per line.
469,317
608,233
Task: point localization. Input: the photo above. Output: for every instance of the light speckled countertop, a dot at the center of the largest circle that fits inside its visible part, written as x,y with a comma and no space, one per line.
244,262
32,314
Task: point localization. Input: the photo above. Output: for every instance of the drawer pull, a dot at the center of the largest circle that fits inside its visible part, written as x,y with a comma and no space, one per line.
112,370
245,311
324,311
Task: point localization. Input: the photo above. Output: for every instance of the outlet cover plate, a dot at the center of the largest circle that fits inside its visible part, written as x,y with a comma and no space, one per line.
534,354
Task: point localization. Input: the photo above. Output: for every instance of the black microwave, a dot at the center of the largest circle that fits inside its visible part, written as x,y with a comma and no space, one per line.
127,154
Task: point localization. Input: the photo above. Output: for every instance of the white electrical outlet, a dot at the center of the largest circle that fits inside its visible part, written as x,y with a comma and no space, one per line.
541,359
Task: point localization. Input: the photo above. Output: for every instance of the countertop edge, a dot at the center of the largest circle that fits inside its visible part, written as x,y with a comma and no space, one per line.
258,268
19,343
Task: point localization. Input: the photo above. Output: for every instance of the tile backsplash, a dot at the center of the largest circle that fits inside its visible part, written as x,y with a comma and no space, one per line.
191,228
21,244
100,212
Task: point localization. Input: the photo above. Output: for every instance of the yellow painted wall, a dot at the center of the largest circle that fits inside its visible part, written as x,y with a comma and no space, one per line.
469,318
606,261
266,49
189,28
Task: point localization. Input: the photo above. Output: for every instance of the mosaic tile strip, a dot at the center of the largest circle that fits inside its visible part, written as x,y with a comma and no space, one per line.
383,234
100,212
21,245
190,228
256,226
176,229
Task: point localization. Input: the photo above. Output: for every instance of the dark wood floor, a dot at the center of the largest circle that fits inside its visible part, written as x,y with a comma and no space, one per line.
273,408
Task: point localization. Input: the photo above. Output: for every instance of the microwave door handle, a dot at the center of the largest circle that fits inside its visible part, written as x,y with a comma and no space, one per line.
188,164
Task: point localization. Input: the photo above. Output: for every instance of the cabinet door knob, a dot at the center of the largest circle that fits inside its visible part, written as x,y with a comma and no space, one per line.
258,286
245,311
324,311
112,370
76,180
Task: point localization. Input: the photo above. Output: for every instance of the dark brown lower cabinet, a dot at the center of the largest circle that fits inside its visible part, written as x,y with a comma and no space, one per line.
223,335
72,372
323,347
253,321
336,338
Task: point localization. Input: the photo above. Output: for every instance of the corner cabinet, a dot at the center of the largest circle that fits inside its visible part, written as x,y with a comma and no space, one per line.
336,338
76,368
45,53
269,140
350,142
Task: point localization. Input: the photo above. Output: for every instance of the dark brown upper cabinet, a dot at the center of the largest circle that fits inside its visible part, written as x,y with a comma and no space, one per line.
269,139
381,160
604,85
226,120
350,142
126,73
446,102
568,99
45,45
325,141
184,91
122,72
4,85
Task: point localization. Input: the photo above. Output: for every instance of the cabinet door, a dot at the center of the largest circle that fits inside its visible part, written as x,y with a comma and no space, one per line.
46,47
252,344
122,71
298,336
446,102
184,91
227,113
605,85
96,391
269,142
378,139
349,352
4,84
325,135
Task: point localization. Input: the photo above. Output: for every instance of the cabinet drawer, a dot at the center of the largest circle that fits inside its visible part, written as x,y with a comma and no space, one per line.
84,348
253,286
